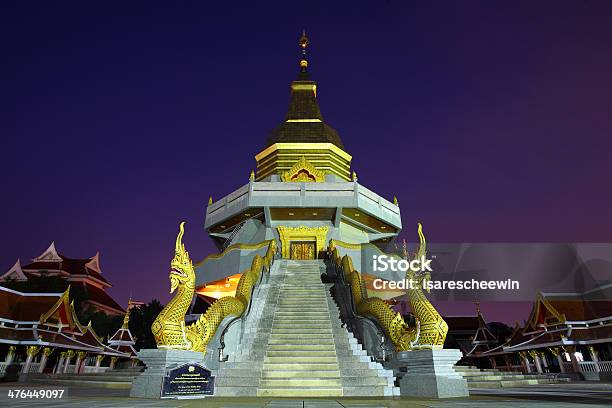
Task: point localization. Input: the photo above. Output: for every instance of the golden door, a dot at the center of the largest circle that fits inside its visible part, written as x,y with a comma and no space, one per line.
303,250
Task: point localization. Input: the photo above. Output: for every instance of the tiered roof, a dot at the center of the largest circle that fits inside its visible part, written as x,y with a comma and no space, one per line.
47,319
122,340
84,272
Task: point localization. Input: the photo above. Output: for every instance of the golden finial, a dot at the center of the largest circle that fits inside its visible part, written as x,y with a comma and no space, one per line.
252,176
210,200
354,177
126,318
303,45
395,200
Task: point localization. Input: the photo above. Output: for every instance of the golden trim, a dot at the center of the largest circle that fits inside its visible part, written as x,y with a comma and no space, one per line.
64,299
301,233
304,147
231,248
431,329
336,243
303,171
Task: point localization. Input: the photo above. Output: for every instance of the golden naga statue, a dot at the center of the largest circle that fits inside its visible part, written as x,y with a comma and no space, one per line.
430,330
169,327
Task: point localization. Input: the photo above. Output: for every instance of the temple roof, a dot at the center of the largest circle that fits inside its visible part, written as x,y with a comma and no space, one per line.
26,307
52,260
304,122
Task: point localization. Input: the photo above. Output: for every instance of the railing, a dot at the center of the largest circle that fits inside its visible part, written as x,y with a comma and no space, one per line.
232,235
262,276
587,366
605,366
93,369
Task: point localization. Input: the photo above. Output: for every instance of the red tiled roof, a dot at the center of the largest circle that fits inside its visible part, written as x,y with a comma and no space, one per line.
21,307
68,265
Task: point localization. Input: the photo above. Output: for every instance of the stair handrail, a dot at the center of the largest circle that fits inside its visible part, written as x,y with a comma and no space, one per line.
269,259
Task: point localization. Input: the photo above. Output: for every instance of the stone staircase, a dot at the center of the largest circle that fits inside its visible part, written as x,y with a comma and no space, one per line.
493,378
117,379
299,348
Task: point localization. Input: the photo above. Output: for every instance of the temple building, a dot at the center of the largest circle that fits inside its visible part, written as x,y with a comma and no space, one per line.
567,333
40,333
83,273
303,192
281,237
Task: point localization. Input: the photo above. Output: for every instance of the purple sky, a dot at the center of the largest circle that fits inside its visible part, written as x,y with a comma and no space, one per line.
489,121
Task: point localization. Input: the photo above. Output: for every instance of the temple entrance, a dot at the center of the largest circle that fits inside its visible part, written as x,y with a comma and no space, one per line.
303,250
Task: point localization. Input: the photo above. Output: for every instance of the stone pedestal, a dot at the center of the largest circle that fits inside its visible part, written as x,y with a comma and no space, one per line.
149,383
430,374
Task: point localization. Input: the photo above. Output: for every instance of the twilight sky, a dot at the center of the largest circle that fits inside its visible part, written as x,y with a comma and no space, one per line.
490,121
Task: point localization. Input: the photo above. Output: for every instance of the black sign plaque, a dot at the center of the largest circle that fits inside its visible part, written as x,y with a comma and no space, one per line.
189,380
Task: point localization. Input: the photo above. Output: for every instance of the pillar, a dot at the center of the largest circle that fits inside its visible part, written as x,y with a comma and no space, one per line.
77,364
571,350
10,355
113,362
99,359
536,360
60,363
594,357
69,355
493,362
43,359
543,360
31,352
525,360
558,353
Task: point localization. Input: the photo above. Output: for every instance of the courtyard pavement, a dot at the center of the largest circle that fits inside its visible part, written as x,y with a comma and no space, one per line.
574,395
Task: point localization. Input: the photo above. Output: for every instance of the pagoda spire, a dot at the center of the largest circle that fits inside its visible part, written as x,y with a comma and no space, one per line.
303,45
126,318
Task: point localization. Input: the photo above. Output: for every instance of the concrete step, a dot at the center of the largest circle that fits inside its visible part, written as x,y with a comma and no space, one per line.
123,385
301,347
310,336
471,379
300,366
92,377
300,374
306,325
300,359
300,353
300,392
300,340
302,330
300,382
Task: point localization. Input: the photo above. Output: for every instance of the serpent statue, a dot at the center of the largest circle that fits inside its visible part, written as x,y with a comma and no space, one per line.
169,327
430,329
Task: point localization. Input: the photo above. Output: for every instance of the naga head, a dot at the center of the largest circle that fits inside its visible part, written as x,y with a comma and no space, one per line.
181,267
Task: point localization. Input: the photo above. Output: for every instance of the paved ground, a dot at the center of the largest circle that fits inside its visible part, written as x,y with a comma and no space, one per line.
584,394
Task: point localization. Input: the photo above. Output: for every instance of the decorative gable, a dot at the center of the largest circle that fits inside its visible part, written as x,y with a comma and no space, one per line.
15,273
303,171
50,255
94,263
